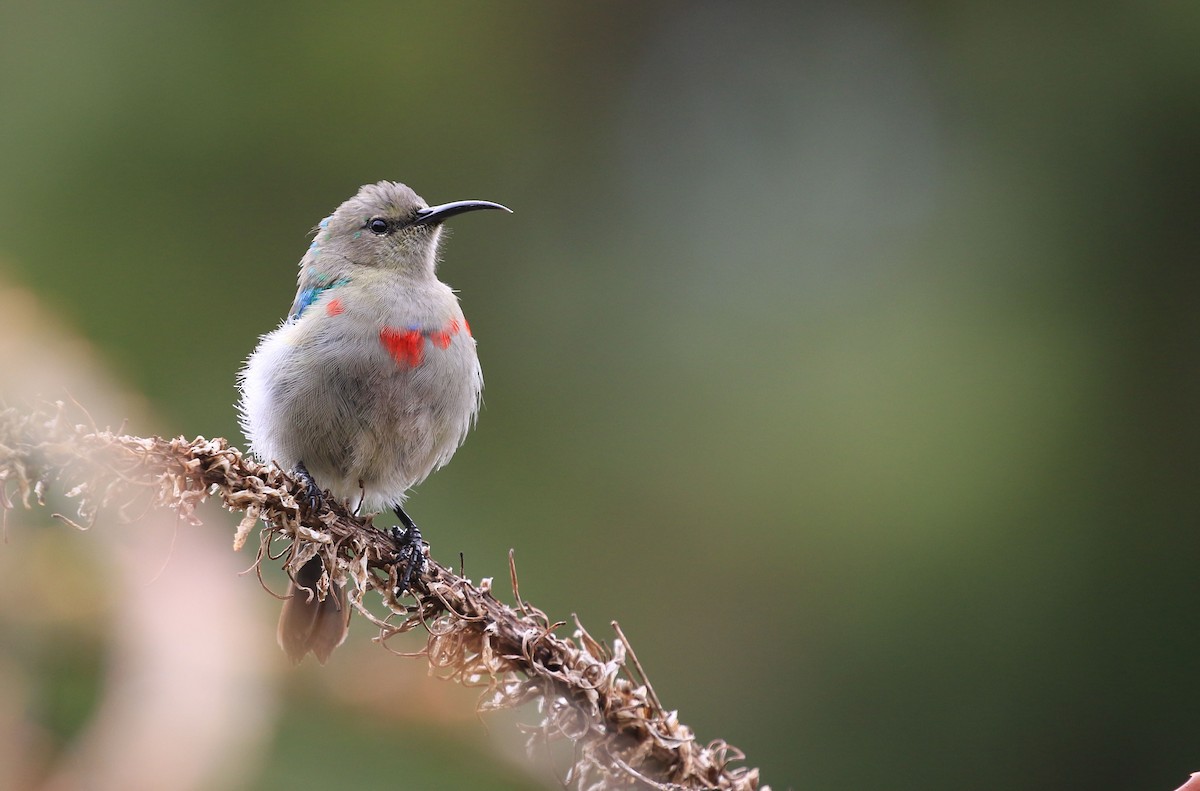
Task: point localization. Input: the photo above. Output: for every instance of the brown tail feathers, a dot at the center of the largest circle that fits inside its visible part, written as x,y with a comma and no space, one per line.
309,624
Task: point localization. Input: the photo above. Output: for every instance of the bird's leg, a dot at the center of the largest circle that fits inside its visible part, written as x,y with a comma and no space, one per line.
410,542
313,497
362,496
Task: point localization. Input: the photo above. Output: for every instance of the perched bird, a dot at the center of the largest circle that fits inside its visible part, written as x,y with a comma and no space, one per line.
370,384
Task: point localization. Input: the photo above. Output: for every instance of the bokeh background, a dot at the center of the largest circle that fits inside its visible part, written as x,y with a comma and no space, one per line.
845,352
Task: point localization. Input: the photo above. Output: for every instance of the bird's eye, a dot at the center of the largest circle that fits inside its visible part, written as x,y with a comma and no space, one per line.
378,226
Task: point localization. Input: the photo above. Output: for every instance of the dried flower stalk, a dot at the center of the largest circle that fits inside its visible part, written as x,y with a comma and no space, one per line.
594,696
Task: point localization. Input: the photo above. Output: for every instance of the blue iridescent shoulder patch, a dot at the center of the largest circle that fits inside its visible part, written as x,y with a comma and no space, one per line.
303,300
308,296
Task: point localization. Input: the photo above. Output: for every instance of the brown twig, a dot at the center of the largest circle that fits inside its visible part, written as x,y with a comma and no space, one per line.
588,693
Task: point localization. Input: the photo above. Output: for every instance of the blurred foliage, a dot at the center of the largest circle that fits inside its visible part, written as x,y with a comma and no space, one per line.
853,345
323,747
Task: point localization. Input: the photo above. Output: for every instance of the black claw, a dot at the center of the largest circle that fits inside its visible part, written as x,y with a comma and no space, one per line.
411,549
313,497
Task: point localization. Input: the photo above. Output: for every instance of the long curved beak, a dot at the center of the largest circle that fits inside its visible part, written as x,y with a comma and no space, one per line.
437,214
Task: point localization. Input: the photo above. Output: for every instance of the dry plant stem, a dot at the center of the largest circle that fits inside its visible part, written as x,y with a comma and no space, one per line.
586,692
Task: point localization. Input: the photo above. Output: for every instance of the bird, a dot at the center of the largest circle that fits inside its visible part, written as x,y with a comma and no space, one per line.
370,383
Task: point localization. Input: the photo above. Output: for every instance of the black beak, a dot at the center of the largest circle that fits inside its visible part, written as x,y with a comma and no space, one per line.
438,214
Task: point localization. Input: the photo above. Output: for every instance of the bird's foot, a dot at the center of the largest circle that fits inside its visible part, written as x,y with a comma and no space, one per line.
412,550
313,496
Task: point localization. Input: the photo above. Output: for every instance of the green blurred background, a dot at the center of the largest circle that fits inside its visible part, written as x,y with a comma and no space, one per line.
845,352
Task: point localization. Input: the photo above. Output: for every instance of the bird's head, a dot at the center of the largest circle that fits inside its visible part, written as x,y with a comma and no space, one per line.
388,225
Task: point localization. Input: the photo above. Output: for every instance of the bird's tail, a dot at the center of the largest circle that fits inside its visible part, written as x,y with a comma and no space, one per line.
311,624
